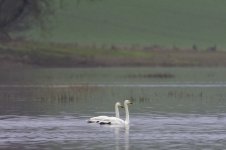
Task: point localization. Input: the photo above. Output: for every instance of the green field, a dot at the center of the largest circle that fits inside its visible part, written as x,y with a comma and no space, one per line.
125,33
168,23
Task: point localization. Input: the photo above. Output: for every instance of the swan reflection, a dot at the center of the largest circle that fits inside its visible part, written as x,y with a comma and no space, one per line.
125,138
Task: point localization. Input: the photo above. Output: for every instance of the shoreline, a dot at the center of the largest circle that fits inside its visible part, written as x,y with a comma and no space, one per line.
34,54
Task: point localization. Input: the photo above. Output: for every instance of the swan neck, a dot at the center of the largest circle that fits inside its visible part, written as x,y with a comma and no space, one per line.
116,112
127,113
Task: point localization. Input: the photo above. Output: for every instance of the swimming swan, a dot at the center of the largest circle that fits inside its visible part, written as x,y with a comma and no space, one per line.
98,119
118,121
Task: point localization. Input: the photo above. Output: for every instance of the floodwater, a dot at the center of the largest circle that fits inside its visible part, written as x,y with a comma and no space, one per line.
173,108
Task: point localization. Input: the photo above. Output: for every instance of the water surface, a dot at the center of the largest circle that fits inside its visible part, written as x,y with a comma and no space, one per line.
174,108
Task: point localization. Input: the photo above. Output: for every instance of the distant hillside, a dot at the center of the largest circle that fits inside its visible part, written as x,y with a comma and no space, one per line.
169,23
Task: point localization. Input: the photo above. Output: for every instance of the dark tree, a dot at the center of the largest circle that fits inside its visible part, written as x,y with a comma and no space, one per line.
17,15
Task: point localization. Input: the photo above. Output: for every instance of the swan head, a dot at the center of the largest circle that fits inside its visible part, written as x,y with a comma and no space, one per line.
118,104
127,102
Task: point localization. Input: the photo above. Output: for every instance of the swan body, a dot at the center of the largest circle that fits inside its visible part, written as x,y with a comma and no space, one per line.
106,119
111,121
115,120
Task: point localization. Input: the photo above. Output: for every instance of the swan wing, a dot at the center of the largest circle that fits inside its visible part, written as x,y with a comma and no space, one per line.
97,119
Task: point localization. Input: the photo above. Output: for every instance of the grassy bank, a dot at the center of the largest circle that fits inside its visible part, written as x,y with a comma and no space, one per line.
125,33
74,55
180,23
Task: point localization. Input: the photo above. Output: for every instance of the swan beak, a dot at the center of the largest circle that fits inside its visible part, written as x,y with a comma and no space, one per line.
122,106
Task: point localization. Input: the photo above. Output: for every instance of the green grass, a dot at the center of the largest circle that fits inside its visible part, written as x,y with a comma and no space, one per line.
168,23
22,48
69,55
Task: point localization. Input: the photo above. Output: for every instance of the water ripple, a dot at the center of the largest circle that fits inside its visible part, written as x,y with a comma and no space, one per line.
146,131
161,84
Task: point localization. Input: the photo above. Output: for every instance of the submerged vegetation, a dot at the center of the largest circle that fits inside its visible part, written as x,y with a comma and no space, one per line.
152,75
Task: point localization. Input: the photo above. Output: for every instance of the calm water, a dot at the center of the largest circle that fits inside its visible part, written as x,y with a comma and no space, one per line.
174,108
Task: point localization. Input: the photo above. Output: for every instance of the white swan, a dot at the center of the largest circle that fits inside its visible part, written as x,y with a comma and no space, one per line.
118,121
98,119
